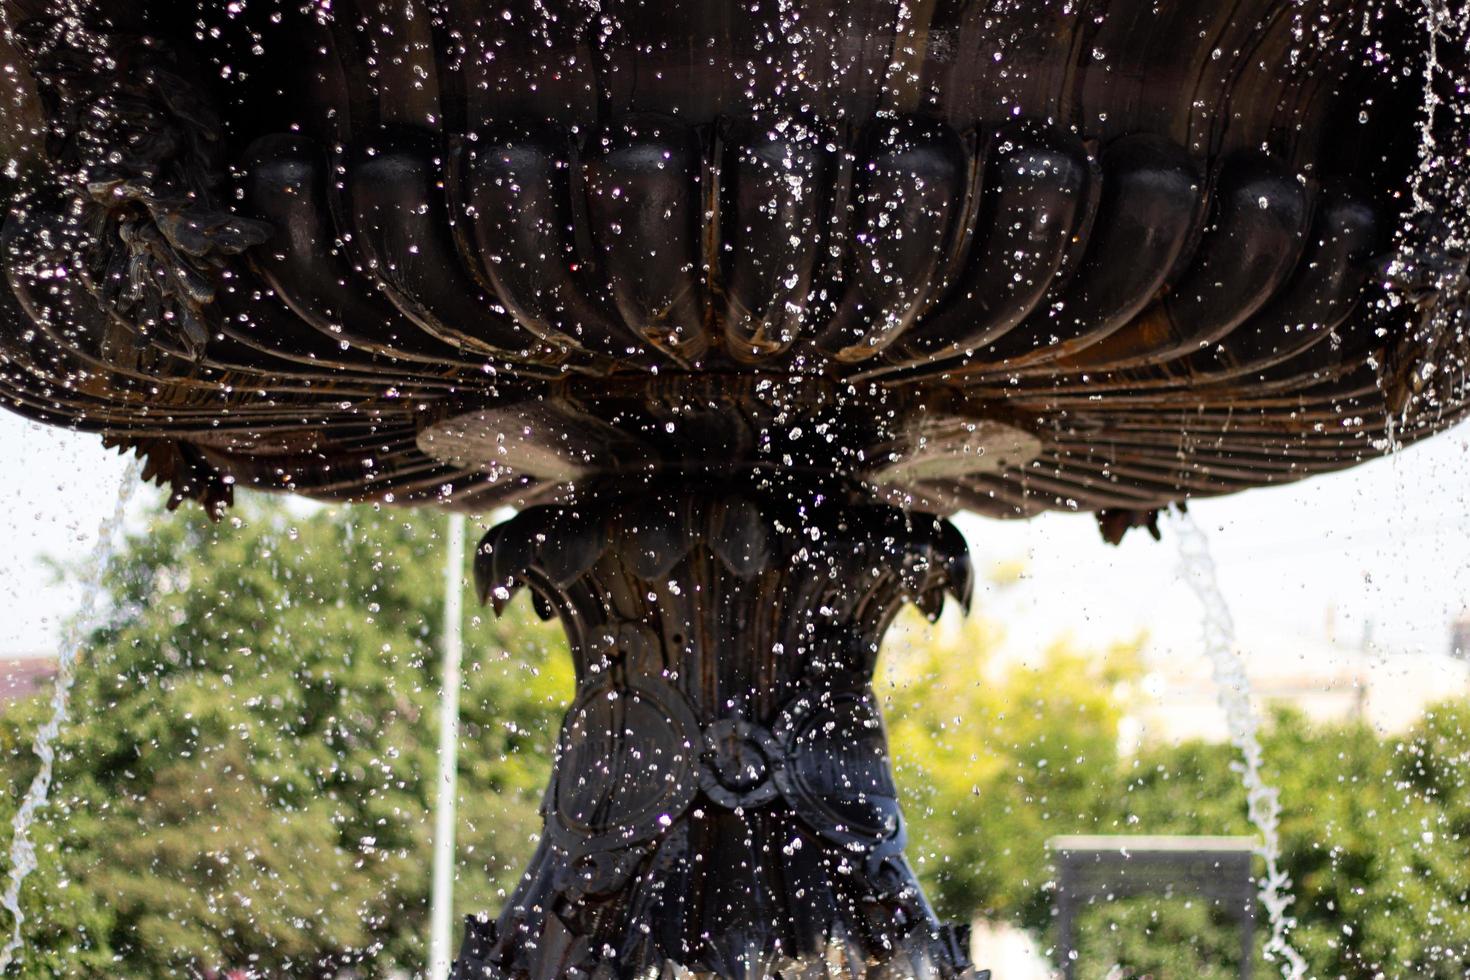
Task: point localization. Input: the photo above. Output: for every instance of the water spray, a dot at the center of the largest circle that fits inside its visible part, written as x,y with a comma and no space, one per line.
1263,801
88,619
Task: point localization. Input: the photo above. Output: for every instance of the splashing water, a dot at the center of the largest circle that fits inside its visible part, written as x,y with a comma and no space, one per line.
87,620
1438,183
1431,261
1262,800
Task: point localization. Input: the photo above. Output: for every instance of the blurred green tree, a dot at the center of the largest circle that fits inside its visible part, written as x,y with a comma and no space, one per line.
249,777
996,757
1375,835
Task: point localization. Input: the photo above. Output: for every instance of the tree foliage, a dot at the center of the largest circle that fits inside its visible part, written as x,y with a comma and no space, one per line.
249,777
1375,830
998,757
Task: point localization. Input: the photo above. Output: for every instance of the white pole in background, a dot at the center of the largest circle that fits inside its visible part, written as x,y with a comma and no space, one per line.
440,956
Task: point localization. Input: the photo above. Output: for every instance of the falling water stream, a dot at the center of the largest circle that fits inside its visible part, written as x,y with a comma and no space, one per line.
88,618
1262,800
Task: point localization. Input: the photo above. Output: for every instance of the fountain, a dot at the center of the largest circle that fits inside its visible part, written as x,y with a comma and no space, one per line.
734,302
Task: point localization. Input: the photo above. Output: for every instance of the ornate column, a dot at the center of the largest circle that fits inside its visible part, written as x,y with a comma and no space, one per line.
722,803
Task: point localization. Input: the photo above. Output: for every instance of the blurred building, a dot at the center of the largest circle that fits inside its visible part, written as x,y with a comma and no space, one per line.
23,676
1326,677
1460,637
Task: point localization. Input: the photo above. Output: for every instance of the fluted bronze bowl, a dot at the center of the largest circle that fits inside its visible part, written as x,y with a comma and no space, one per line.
744,294
1096,256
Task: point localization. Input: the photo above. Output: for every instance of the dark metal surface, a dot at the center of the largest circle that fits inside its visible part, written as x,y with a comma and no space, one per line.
1161,251
722,798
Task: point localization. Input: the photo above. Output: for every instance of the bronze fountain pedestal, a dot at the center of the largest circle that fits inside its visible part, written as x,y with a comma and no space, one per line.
722,797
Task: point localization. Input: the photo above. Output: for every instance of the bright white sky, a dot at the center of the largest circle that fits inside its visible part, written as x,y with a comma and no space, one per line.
1388,542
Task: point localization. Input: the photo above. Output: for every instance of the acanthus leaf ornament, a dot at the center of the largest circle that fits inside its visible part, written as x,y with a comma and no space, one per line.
138,154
